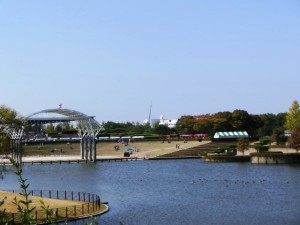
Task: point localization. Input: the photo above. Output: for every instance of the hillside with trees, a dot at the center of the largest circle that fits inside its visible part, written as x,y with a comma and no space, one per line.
238,120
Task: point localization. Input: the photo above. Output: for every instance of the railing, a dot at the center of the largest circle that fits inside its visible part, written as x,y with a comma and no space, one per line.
91,205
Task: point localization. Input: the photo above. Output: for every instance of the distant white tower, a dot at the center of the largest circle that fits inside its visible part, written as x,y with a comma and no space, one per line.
149,119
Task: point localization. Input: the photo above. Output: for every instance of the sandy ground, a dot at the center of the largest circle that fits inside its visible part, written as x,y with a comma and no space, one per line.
144,149
104,150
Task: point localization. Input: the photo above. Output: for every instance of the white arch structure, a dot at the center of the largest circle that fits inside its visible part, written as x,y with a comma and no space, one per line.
87,127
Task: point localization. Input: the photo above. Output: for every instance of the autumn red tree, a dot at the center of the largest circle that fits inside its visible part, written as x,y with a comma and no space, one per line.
294,140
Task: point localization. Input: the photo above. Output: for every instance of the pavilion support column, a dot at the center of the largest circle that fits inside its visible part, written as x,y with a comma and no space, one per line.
19,150
91,149
86,148
82,146
88,144
94,149
11,147
16,150
16,144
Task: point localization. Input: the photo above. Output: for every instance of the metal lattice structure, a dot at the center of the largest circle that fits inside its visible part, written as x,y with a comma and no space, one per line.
87,127
16,136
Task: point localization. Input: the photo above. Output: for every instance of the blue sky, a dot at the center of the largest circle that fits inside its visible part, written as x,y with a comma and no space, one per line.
110,59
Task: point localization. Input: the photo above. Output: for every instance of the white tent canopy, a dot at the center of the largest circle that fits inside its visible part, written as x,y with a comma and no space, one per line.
233,134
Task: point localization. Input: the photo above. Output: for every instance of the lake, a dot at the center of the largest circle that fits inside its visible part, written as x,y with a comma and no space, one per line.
177,192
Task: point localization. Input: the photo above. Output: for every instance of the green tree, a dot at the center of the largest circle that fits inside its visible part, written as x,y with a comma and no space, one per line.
204,125
28,127
222,121
239,119
24,206
242,120
293,116
8,116
58,128
185,125
268,124
161,129
278,136
280,119
50,128
147,128
243,144
8,120
255,129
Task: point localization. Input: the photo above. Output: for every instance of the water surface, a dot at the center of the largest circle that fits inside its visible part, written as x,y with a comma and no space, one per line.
177,191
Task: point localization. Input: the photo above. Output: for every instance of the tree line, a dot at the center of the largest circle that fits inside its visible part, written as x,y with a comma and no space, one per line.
239,120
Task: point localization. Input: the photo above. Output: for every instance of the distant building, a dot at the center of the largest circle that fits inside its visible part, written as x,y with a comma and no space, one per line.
287,133
152,122
170,123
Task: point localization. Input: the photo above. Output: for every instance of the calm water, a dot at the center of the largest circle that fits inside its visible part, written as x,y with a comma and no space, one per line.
177,191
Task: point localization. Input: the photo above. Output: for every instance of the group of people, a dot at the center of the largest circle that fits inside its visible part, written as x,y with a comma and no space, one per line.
135,149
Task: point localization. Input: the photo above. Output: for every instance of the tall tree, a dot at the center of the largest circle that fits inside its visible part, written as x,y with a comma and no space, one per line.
243,144
294,140
280,119
49,128
9,116
293,116
8,119
203,125
185,125
278,136
268,124
241,120
222,121
257,124
161,129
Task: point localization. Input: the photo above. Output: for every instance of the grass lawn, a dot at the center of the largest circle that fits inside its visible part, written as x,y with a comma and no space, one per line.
75,208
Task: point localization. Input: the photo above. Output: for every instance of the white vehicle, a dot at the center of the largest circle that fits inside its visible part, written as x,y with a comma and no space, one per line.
76,138
126,137
114,138
103,138
138,137
40,139
52,139
64,139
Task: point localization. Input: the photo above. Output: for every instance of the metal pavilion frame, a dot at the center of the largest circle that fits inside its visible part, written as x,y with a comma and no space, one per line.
16,136
15,142
87,127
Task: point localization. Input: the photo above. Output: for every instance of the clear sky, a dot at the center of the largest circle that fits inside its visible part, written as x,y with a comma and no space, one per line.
112,58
